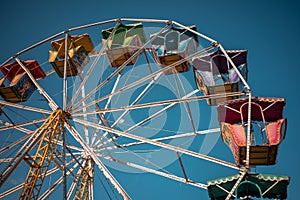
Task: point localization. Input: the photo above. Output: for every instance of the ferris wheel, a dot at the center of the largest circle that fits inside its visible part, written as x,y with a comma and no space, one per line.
135,96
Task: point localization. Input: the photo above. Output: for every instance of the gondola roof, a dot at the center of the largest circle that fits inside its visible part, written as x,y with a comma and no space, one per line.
220,65
232,111
12,69
276,184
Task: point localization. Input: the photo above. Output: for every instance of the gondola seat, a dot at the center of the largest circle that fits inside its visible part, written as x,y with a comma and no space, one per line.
267,129
19,90
78,58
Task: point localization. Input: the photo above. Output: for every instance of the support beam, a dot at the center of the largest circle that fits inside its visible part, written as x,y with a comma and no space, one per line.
84,181
39,163
98,162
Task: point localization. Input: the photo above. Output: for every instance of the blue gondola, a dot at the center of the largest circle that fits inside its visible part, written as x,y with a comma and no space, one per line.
172,46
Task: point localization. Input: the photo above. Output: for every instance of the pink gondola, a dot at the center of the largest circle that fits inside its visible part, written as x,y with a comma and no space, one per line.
268,128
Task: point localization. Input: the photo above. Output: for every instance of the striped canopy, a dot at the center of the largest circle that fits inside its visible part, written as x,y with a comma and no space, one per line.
271,186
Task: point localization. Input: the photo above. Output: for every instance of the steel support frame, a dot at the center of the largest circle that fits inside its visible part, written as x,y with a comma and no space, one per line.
84,181
39,163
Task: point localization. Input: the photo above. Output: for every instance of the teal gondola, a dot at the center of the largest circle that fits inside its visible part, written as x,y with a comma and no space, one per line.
173,46
260,186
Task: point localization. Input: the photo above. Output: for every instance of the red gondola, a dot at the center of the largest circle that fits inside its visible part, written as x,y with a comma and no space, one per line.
215,75
268,128
16,86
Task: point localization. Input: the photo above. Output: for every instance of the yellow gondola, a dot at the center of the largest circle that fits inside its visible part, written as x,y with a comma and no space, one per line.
79,46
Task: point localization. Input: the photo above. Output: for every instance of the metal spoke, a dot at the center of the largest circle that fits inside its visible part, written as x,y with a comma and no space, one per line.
98,162
160,144
119,69
183,135
156,172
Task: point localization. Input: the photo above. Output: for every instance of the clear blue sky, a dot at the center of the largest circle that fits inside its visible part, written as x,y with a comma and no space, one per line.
269,30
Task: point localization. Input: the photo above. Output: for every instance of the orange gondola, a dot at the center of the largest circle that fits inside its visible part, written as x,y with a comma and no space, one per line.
268,128
16,86
79,46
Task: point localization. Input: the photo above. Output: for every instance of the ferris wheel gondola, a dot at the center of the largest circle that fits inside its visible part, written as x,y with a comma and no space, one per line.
268,128
122,42
16,86
214,74
79,46
173,45
252,185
